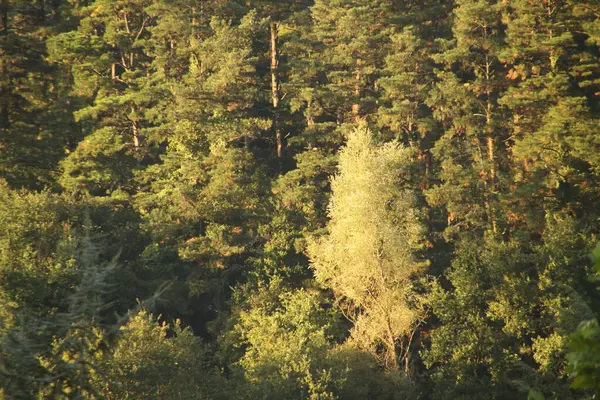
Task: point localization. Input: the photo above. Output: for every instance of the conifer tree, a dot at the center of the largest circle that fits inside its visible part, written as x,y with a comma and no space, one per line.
204,224
465,102
111,66
352,37
278,13
34,124
552,124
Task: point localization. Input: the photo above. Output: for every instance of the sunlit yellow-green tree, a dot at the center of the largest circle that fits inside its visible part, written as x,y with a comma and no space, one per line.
368,256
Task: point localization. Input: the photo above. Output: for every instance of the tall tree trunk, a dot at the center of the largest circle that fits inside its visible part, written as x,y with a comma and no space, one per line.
392,353
492,179
356,105
491,176
483,173
491,156
136,136
275,95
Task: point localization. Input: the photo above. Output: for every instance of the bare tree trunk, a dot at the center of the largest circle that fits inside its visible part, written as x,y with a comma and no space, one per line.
392,356
490,144
483,172
275,95
491,151
356,105
136,136
310,121
492,179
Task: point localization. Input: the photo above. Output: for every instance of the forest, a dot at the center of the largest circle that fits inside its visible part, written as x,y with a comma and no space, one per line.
299,199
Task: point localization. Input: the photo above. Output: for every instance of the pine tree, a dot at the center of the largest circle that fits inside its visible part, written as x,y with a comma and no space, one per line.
111,66
34,120
204,223
465,101
552,125
352,38
278,14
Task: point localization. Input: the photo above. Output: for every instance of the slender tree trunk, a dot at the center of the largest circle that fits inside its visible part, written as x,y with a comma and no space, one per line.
136,136
486,184
127,24
357,84
308,114
490,145
392,356
490,154
113,71
492,178
275,95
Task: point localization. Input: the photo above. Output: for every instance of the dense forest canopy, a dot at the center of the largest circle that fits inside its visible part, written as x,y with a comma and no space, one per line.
298,199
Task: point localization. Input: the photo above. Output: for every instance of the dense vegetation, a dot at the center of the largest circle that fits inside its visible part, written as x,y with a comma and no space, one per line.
296,199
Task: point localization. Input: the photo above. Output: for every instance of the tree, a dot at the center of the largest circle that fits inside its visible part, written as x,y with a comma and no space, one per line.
290,337
35,114
56,354
552,123
505,317
112,68
369,255
584,345
465,102
157,360
352,40
287,334
278,14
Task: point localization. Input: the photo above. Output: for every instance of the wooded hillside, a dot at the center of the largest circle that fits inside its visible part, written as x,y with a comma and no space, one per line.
295,199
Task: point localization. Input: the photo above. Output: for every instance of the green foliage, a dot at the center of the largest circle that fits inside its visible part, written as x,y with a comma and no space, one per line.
513,302
583,356
156,360
369,254
584,345
289,338
287,335
36,249
198,140
56,355
35,113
